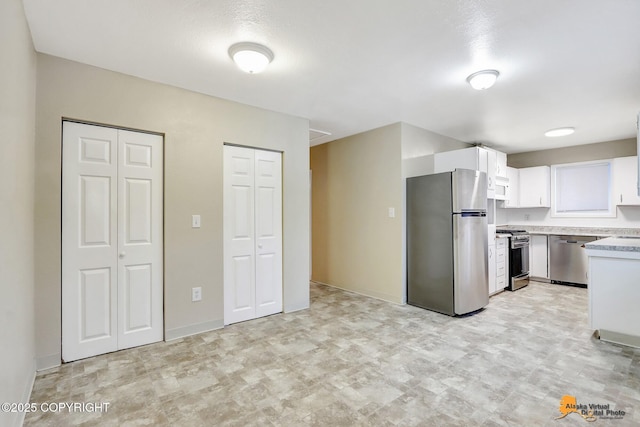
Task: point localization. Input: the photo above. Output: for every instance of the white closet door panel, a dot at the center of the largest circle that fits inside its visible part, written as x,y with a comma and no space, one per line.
140,207
239,237
89,250
95,210
252,233
269,291
268,221
95,297
138,218
243,285
137,299
112,240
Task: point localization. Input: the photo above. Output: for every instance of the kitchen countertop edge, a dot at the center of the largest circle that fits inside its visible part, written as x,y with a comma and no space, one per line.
619,244
573,231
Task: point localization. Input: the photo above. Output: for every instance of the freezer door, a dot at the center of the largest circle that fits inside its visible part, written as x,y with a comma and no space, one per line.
470,261
469,190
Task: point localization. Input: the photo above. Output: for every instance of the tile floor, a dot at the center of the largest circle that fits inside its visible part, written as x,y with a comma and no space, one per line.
353,360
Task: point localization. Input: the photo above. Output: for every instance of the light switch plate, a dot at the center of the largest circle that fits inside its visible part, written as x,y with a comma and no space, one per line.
195,221
196,294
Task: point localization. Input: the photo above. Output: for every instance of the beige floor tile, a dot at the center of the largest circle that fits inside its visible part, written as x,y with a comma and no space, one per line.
352,360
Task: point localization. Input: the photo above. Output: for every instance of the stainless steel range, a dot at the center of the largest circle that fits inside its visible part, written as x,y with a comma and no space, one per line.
518,258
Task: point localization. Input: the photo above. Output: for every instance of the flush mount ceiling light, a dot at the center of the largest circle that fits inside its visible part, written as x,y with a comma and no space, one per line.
250,57
559,132
483,79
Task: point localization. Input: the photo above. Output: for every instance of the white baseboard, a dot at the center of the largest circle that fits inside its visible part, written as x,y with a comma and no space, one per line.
366,293
26,396
292,308
48,362
198,328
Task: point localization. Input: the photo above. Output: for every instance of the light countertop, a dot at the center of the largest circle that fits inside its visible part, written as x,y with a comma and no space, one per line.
574,231
620,244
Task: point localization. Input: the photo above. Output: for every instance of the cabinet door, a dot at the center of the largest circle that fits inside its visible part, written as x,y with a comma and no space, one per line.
466,158
538,257
502,265
491,172
625,180
501,165
492,266
534,187
512,192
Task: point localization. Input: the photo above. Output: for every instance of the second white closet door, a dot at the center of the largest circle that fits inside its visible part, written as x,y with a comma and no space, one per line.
252,233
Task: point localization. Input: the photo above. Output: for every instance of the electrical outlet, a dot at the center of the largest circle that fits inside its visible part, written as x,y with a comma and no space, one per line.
195,221
196,294
526,217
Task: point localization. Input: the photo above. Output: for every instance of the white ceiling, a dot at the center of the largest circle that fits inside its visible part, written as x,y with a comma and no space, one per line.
354,65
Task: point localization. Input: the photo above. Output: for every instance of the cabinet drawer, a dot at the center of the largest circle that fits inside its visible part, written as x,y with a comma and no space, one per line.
501,283
500,254
501,243
500,269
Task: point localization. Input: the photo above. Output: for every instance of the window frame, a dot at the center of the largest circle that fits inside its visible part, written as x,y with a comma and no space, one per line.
610,212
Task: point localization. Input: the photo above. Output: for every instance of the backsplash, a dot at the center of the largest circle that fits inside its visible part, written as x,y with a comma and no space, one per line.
627,217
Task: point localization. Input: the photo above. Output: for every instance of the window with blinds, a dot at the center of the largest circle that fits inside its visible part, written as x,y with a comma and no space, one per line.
582,189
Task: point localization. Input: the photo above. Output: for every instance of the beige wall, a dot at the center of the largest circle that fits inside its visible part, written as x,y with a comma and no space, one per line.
17,119
580,153
417,142
195,127
356,246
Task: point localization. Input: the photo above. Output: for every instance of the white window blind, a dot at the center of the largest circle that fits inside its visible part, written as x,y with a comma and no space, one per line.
582,188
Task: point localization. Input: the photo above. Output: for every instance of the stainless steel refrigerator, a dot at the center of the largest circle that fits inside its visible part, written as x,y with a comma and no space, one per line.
447,242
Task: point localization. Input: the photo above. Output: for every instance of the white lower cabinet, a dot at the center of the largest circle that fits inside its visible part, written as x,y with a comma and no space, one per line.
539,256
502,264
492,265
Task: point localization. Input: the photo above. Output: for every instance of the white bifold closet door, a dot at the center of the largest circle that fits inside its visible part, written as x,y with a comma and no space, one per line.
112,274
252,233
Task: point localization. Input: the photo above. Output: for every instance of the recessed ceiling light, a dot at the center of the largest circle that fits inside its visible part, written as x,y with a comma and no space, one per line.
250,57
484,79
559,132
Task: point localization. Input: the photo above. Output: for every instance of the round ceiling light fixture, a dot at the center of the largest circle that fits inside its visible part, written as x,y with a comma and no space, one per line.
559,132
484,79
250,57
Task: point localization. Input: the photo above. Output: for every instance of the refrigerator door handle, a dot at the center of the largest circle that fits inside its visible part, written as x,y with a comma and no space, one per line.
466,214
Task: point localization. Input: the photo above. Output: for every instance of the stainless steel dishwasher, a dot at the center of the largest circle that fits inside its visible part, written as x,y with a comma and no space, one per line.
568,260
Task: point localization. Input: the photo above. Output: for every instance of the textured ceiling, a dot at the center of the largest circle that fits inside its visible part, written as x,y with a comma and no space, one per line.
353,65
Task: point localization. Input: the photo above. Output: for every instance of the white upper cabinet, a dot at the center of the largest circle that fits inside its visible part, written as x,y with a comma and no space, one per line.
474,158
512,193
625,180
534,187
491,173
501,165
